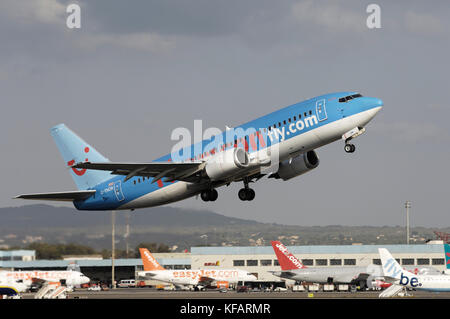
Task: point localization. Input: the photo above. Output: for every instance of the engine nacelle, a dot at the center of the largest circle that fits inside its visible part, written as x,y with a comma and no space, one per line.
227,163
297,166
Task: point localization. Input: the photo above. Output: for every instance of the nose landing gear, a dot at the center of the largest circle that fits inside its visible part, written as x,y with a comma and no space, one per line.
349,148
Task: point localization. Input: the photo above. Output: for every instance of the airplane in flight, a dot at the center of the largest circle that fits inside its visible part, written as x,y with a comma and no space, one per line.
279,145
398,276
69,277
364,276
198,278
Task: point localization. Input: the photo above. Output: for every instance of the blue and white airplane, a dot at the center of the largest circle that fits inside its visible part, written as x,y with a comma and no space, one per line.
398,276
279,145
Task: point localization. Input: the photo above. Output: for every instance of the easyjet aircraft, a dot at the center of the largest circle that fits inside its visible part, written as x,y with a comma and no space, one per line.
279,145
69,277
199,278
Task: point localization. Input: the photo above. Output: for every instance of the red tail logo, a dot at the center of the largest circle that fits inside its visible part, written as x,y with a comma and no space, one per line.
77,171
285,258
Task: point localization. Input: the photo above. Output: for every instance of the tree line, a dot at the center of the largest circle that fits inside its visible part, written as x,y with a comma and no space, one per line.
57,251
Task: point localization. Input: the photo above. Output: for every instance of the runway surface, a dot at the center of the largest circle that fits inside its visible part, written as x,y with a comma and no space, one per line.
146,293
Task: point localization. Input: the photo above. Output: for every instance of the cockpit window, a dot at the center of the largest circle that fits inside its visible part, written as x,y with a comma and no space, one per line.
349,97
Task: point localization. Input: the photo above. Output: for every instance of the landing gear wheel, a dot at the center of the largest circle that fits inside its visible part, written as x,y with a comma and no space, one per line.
349,148
246,194
250,194
209,195
213,195
242,194
205,196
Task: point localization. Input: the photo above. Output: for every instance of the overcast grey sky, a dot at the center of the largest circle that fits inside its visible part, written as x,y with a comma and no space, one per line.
138,69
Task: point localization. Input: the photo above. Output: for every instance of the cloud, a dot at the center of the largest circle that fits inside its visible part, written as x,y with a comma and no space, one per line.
423,23
331,16
412,133
36,11
150,42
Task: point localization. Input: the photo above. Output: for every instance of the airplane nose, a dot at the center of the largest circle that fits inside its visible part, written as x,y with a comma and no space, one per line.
378,103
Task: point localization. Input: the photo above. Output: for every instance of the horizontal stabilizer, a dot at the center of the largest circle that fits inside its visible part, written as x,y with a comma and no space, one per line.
59,196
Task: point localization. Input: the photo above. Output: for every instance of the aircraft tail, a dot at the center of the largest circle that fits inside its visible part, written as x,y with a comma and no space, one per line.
74,150
447,255
287,260
391,268
149,261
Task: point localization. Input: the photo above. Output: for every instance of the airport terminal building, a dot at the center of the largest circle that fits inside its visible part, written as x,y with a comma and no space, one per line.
259,260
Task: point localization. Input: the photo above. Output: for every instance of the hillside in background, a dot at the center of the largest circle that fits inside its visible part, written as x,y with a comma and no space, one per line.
180,229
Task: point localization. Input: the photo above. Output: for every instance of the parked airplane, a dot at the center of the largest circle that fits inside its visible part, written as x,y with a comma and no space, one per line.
394,273
10,287
70,278
364,276
198,278
279,145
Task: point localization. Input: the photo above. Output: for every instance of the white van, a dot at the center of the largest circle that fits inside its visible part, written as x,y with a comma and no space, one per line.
127,283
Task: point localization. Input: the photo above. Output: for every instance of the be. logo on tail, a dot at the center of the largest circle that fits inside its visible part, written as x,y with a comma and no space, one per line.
80,172
392,269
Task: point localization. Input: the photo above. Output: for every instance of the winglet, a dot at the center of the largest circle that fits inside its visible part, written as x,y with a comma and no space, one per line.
149,261
287,260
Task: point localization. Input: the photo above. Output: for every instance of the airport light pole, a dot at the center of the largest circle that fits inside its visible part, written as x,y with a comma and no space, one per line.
113,252
407,206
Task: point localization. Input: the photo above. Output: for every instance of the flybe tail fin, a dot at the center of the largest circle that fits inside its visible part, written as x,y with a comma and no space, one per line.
391,268
74,150
149,261
285,258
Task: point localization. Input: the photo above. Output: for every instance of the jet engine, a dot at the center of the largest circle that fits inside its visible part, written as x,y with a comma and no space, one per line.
227,163
297,166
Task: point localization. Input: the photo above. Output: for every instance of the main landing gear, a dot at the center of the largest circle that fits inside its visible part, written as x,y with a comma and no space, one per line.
349,148
246,193
209,195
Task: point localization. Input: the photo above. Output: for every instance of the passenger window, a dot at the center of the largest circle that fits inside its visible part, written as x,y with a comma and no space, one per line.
304,114
284,122
299,116
342,99
295,118
310,112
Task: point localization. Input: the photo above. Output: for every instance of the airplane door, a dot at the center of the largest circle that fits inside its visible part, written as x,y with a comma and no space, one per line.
321,110
118,191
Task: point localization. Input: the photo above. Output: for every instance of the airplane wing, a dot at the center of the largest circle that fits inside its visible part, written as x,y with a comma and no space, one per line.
59,196
184,171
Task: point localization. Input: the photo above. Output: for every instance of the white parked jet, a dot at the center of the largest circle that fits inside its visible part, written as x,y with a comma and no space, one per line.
70,278
394,273
199,278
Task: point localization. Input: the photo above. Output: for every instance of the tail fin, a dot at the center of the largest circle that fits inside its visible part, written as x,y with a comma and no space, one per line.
285,258
391,268
74,150
149,261
447,255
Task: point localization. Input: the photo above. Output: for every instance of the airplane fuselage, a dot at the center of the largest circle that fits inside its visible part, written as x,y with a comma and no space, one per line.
195,277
